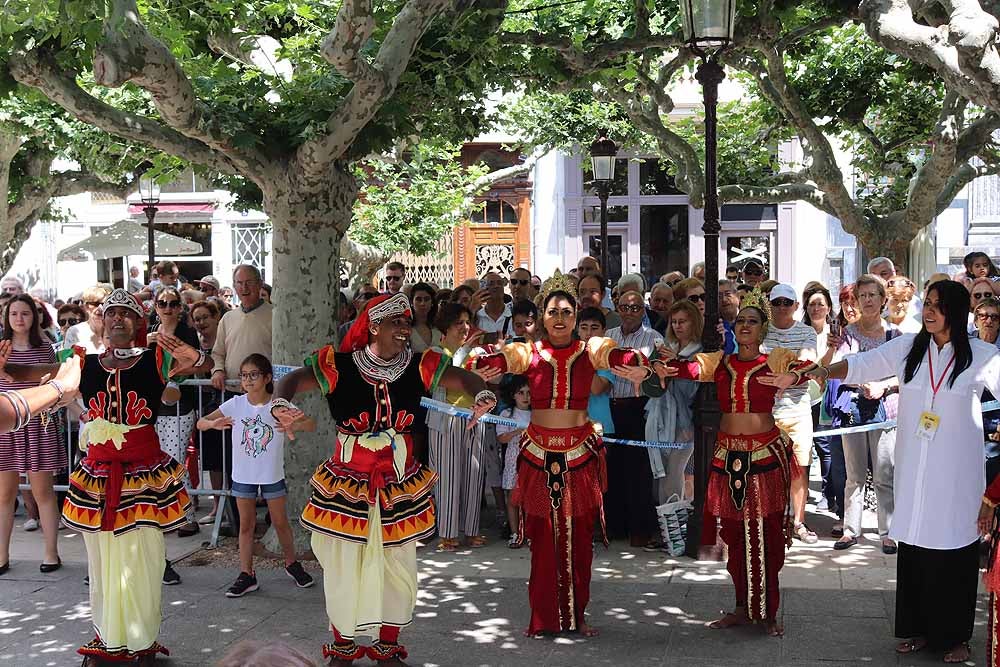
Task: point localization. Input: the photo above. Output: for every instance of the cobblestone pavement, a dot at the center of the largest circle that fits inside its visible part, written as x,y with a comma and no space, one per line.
837,608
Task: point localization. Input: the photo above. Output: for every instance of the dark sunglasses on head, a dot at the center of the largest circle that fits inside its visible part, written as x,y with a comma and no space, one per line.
93,304
160,303
69,322
696,297
630,308
753,272
671,283
783,303
515,281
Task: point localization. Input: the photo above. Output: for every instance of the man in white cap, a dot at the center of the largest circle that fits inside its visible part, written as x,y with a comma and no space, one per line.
792,410
210,286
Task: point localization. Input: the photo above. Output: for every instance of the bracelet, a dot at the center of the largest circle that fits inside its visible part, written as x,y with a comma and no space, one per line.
486,395
989,503
202,358
218,370
281,403
22,411
57,385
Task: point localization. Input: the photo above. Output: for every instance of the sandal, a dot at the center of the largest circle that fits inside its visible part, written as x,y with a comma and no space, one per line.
476,541
805,535
914,645
447,544
951,658
837,530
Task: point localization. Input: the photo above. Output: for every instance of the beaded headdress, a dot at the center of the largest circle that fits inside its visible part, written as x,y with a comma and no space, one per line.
380,308
119,298
559,282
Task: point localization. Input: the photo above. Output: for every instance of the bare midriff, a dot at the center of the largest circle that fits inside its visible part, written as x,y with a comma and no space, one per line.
559,418
746,423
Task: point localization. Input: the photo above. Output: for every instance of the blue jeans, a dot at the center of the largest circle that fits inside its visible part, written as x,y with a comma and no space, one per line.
266,491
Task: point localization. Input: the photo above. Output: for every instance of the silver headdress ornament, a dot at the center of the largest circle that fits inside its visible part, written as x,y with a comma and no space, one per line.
397,304
119,298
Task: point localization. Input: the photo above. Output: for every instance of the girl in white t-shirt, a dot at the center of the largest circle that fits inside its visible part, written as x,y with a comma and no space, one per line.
258,468
519,394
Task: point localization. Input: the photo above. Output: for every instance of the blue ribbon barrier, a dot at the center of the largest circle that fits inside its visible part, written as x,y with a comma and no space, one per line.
464,413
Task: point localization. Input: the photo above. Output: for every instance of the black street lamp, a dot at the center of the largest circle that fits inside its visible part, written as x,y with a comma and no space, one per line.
149,193
708,30
602,161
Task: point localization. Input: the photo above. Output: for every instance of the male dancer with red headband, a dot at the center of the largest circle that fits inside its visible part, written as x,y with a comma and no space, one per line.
371,501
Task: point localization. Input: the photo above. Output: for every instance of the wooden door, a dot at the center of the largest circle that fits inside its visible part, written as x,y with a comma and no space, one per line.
498,239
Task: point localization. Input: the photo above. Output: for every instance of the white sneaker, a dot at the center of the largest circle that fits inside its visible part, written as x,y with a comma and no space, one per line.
30,525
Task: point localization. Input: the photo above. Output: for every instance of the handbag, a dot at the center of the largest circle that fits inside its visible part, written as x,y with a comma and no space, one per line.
673,518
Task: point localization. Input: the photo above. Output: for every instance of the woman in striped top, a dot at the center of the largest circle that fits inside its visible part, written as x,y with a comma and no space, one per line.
36,450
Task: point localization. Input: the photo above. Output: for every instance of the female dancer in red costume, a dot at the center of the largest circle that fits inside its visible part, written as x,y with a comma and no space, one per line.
748,483
989,524
561,473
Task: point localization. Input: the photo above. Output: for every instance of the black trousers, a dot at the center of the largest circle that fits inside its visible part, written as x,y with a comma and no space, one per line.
936,593
629,506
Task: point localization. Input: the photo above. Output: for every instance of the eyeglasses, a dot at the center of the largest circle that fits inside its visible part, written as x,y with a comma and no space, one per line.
982,295
630,308
515,281
695,297
992,317
69,322
394,278
753,272
93,304
783,303
160,303
251,375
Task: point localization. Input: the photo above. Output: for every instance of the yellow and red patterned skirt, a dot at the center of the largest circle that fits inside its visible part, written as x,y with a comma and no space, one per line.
370,468
120,489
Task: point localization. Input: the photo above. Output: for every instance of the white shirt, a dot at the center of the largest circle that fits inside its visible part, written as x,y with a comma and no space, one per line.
83,336
938,484
486,323
794,401
258,445
643,339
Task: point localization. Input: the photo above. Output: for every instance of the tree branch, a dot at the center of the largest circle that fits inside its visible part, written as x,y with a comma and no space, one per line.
127,52
494,177
40,193
806,192
799,34
39,70
932,176
373,83
964,54
594,57
641,12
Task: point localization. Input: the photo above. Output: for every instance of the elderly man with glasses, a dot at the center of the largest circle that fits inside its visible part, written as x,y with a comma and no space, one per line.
629,503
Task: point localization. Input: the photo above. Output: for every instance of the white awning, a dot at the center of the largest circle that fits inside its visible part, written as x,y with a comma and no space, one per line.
126,238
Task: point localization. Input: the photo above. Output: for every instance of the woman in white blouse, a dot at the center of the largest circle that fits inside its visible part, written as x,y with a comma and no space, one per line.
939,477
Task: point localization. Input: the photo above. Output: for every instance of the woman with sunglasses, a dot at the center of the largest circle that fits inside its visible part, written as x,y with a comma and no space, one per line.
176,420
69,315
980,290
692,290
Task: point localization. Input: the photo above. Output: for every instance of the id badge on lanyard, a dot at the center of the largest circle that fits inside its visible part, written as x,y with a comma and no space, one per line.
929,421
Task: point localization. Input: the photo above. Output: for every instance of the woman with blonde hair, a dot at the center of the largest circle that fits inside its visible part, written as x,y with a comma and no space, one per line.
900,291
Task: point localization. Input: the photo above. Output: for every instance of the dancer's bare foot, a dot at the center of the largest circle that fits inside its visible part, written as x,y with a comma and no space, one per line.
958,654
773,628
731,620
587,630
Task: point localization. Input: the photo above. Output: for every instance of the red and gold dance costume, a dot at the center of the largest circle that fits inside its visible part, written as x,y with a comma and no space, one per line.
748,486
992,577
561,473
122,497
371,501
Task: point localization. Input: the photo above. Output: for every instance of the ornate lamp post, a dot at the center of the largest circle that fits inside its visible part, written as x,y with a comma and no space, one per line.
149,193
708,30
602,161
